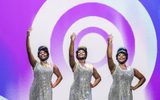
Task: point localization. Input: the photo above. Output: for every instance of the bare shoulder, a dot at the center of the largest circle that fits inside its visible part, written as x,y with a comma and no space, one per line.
55,66
136,72
90,66
94,69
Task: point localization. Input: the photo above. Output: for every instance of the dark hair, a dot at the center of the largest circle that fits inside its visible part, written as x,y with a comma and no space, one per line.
81,48
122,50
43,48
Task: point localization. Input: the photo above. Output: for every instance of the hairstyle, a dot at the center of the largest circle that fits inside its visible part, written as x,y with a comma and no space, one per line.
43,48
81,48
122,50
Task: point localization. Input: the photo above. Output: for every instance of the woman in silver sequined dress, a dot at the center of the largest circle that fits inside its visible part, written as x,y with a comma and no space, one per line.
81,87
41,88
122,75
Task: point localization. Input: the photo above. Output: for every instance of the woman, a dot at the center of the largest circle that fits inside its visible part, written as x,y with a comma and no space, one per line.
81,87
42,86
122,75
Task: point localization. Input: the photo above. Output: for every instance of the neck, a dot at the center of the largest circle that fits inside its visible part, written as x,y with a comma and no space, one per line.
44,62
122,65
82,62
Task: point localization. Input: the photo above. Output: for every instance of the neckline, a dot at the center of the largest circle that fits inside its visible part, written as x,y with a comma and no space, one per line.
45,66
123,69
84,67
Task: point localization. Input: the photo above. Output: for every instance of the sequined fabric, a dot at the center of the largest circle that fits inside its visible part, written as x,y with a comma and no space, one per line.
120,88
80,89
41,86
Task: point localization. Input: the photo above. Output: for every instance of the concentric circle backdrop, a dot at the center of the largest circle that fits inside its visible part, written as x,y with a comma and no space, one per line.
133,25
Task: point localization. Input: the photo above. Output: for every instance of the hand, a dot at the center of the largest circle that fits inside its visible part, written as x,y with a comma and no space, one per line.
91,85
133,88
28,31
110,37
52,85
73,36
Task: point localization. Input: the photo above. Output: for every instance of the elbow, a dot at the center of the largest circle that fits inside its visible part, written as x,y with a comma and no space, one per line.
99,79
60,78
144,79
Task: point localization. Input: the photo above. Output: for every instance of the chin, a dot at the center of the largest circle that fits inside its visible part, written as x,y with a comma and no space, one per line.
121,62
43,59
81,58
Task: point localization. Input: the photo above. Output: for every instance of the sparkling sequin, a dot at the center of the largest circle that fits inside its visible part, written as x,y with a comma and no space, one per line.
80,89
41,86
120,89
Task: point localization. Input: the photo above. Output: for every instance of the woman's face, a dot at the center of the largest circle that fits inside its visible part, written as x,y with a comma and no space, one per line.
81,54
121,58
43,55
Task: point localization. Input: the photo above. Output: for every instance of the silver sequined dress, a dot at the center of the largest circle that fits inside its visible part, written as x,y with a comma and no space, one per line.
120,88
80,89
41,86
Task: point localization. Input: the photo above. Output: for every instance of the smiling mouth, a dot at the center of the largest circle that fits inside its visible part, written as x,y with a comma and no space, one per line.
121,59
43,56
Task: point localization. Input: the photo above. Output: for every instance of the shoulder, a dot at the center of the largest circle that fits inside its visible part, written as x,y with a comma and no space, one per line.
131,69
90,65
135,70
54,66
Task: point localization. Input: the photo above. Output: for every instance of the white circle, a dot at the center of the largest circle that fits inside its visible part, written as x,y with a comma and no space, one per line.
141,25
91,21
94,43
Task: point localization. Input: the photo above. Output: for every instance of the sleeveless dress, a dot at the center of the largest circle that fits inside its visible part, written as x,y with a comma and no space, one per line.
81,89
120,88
41,86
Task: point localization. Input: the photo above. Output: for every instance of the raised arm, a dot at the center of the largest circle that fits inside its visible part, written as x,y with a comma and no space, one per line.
141,78
59,76
97,78
109,55
71,52
30,55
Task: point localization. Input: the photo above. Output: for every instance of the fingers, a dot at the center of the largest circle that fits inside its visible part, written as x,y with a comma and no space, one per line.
73,36
110,36
133,88
91,85
29,30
